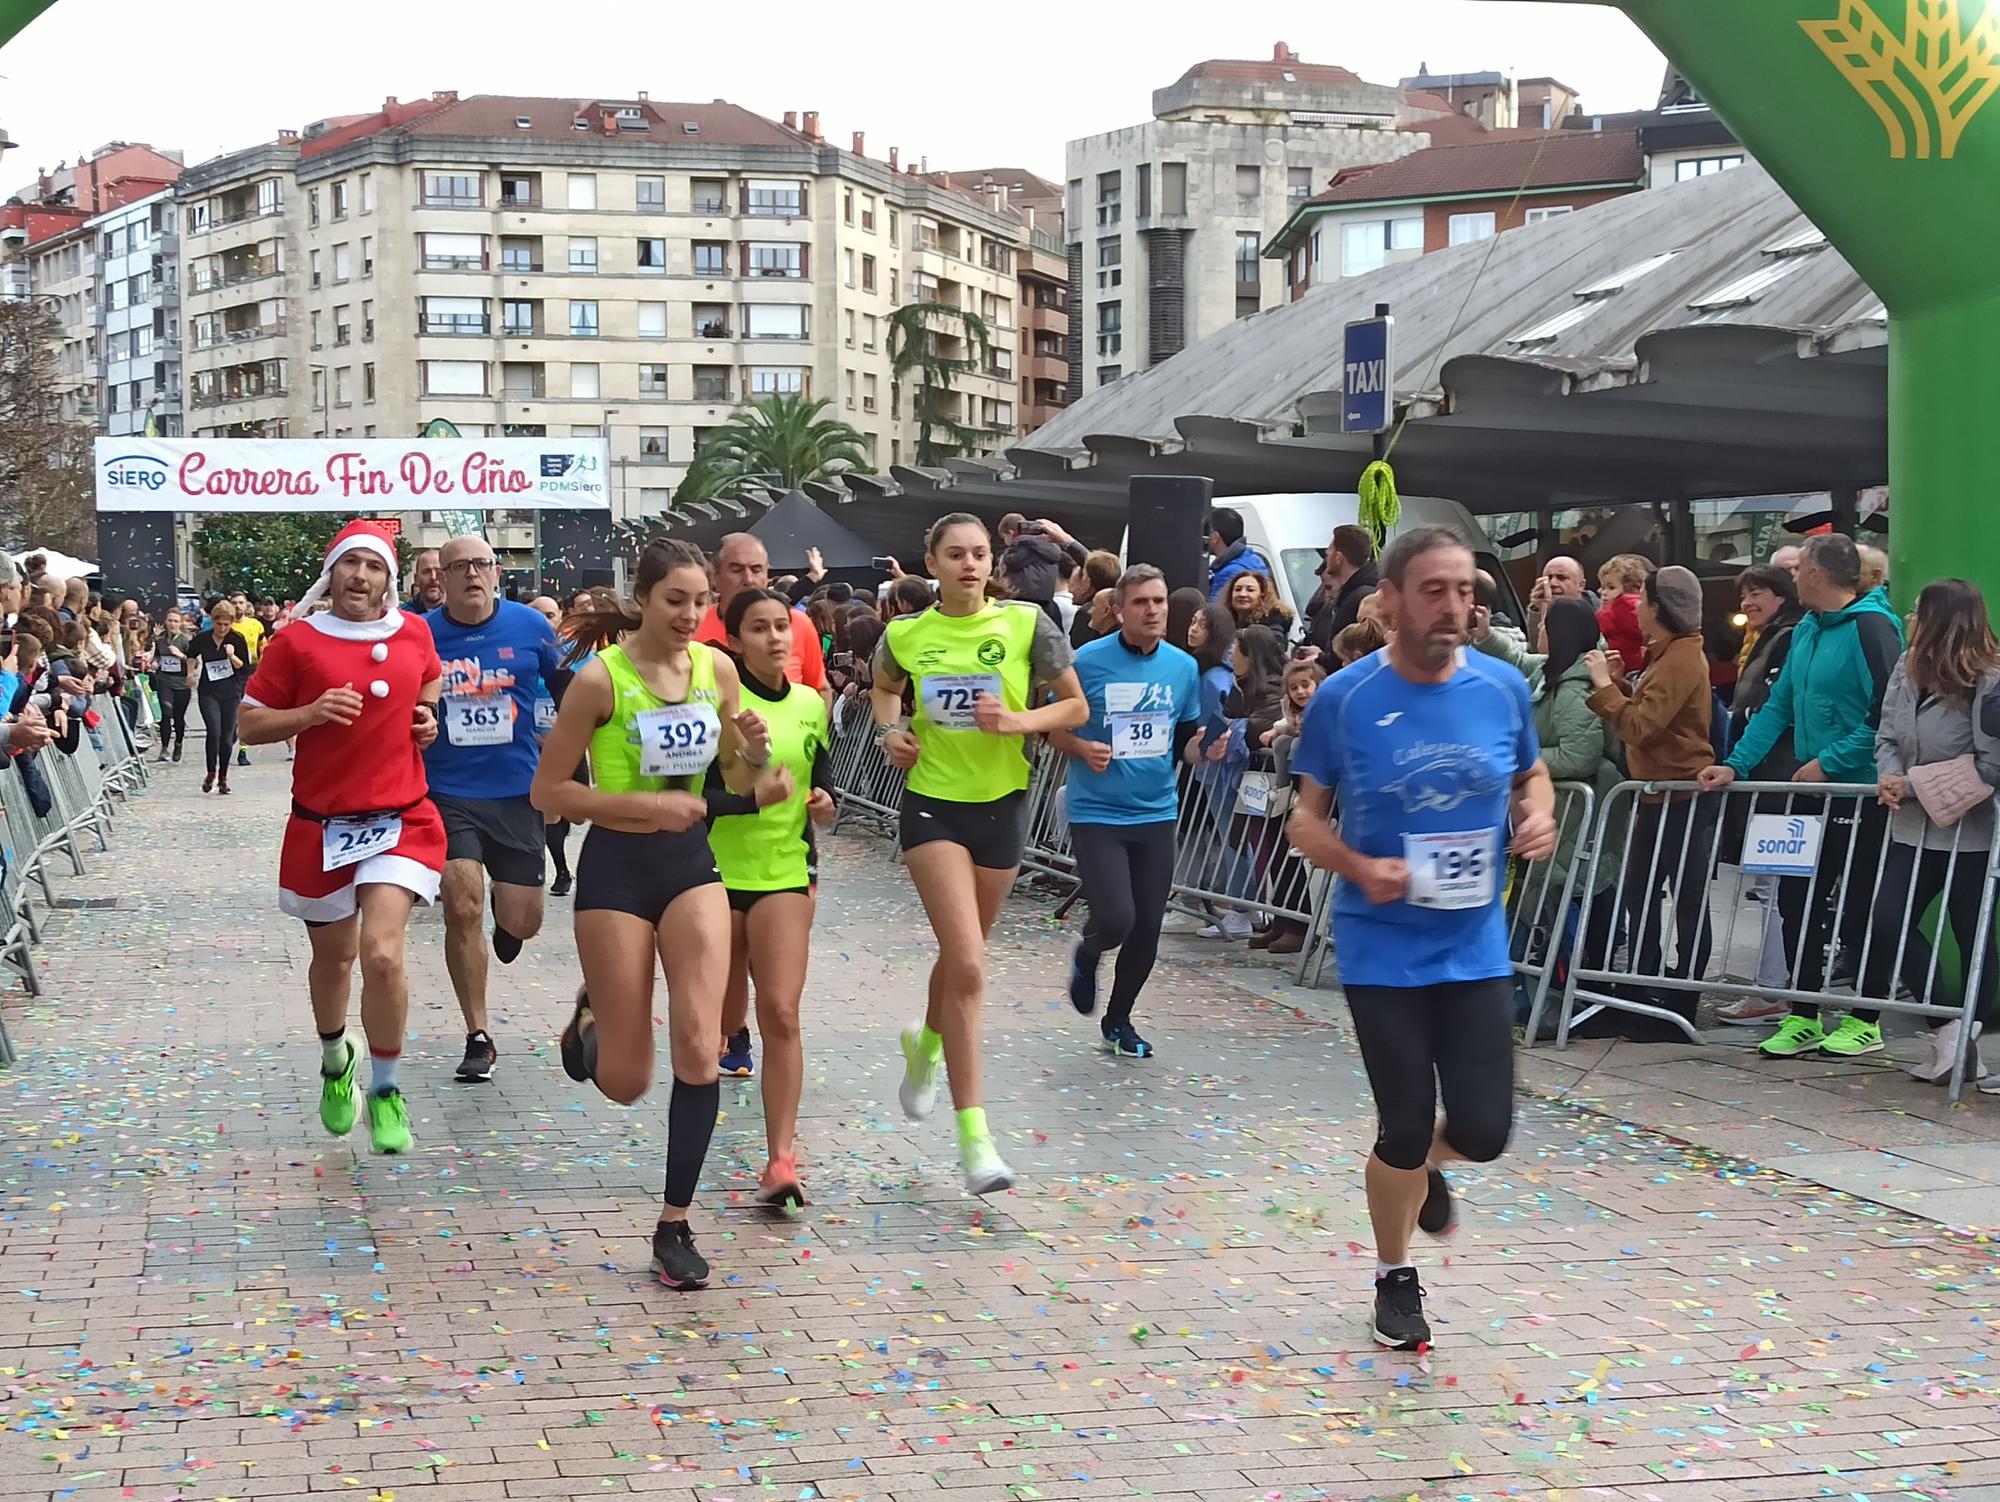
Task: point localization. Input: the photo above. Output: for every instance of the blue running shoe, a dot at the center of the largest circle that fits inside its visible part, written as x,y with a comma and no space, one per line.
1082,983
1124,1040
737,1059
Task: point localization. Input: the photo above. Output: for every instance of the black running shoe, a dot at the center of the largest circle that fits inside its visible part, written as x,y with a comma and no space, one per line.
1124,1040
560,886
1082,983
1399,1311
675,1261
579,1049
480,1054
1439,1216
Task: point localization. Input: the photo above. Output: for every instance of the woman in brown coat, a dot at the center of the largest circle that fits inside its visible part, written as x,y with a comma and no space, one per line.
1664,725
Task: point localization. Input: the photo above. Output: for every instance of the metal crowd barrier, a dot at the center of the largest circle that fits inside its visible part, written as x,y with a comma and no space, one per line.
1542,904
1230,845
1649,939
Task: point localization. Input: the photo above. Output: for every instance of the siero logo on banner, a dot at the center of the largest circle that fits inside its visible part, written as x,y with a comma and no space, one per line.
1782,844
219,475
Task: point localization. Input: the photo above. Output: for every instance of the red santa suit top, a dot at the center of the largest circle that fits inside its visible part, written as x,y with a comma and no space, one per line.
370,766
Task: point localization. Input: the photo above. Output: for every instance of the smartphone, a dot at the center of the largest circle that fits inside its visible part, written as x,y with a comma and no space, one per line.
881,563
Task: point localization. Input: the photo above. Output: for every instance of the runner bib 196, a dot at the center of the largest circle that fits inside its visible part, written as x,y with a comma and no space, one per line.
1450,871
677,740
349,841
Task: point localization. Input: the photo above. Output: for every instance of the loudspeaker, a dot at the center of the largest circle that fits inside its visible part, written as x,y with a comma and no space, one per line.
1166,516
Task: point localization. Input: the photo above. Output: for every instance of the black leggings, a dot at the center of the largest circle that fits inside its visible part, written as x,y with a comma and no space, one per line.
1127,871
173,713
218,719
1454,1039
1904,870
1839,912
556,837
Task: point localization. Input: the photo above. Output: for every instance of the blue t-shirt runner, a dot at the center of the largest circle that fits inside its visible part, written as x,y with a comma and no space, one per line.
494,674
1414,762
1123,799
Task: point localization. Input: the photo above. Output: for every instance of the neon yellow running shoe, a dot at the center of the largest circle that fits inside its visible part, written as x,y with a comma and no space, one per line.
389,1122
336,1097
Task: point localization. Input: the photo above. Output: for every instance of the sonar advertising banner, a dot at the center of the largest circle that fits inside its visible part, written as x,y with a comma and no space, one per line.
352,474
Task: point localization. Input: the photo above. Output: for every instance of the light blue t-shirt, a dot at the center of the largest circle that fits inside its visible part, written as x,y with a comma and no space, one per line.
494,674
1136,703
1422,771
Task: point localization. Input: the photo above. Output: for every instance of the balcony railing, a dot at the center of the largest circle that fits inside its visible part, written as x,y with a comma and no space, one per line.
1042,240
711,206
529,201
790,273
522,330
225,398
449,201
533,393
454,324
459,263
712,330
783,209
521,266
711,391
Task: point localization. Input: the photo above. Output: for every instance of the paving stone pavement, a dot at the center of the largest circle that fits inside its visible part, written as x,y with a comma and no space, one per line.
202,1297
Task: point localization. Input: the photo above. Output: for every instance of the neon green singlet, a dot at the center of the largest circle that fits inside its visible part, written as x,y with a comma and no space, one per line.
681,733
767,851
951,659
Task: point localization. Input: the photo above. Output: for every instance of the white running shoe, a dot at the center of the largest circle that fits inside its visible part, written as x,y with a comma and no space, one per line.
1935,1067
1232,926
985,1173
918,1091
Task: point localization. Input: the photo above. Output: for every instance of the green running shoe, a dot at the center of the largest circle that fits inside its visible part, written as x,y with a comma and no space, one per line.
389,1122
1795,1035
336,1097
1853,1038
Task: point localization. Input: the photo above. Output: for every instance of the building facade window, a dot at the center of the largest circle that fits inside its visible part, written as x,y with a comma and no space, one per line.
583,190
711,258
769,380
710,195
1109,199
653,257
766,198
583,382
1366,246
450,252
652,445
1173,187
1705,166
781,260
1248,244
453,190
653,380
1249,181
454,377
368,382
1468,229
1106,374
1110,328
652,320
774,320
338,193
1142,183
582,320
519,317
343,263
583,254
868,273
1553,211
1110,256
649,194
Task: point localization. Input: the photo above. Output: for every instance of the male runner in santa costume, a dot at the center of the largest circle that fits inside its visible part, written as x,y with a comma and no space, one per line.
358,685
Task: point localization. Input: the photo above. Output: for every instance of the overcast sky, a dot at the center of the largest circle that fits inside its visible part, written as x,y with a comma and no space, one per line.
966,85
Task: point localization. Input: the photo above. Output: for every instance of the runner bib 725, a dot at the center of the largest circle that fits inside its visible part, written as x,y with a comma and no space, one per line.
949,698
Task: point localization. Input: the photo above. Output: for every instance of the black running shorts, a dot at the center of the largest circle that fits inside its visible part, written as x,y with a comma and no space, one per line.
505,835
642,874
992,833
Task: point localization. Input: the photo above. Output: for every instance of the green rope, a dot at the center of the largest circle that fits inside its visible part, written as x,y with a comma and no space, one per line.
1380,505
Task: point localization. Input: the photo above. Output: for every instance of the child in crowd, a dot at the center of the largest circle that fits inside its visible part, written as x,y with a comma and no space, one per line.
1302,680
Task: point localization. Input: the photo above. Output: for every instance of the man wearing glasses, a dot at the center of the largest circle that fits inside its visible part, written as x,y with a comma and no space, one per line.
499,660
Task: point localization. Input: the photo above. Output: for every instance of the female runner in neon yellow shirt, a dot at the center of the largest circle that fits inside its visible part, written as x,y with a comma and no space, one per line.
978,666
654,708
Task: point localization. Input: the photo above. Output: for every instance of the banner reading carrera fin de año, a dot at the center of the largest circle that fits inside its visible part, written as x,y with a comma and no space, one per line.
352,474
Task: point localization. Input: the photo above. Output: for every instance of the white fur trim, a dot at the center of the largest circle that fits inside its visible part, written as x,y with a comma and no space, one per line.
341,629
390,870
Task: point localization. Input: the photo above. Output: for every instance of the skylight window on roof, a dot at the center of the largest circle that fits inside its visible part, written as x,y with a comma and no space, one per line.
522,122
1746,289
690,127
1801,241
1618,281
1547,330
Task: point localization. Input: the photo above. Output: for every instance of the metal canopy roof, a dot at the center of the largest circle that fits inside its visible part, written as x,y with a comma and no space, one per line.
1699,340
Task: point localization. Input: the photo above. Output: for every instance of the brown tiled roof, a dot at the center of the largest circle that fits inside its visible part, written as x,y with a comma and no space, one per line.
1501,162
1033,184
716,123
1424,99
1268,70
344,128
1452,130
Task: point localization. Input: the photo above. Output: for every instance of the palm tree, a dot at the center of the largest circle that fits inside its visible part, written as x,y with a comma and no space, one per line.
914,334
777,442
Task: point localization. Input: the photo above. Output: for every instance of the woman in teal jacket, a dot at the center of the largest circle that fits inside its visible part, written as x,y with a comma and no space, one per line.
1829,695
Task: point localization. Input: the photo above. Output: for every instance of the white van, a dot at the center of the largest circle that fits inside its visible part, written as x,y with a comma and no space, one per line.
1291,532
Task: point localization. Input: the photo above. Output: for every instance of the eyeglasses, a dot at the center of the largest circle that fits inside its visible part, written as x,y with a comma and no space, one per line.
465,566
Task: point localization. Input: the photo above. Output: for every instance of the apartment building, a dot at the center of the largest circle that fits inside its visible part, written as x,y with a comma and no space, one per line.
1166,220
138,301
1042,264
631,268
63,278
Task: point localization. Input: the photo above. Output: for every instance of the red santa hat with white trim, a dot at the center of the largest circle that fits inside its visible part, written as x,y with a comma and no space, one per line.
359,533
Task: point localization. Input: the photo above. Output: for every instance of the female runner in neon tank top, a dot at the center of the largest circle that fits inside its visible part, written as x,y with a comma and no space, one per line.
977,667
653,711
768,867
